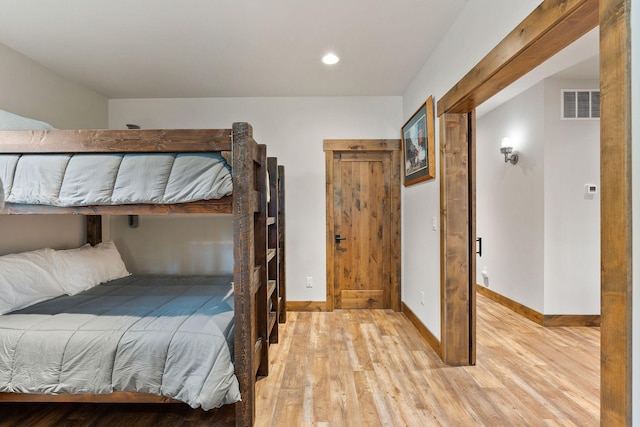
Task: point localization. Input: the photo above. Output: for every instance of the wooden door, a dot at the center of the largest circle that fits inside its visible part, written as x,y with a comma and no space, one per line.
362,231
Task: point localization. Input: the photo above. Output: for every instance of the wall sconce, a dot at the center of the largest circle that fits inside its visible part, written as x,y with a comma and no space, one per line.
507,149
134,221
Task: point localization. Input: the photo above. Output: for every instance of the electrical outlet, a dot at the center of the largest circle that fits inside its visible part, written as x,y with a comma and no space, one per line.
309,282
421,297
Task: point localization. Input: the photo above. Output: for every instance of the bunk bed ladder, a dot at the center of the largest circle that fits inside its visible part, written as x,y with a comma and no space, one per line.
273,255
262,254
282,283
250,274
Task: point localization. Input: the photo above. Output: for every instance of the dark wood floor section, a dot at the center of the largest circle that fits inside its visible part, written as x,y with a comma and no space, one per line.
371,368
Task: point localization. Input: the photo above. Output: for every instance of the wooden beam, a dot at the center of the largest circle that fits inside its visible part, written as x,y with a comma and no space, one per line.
113,397
616,217
471,147
330,228
94,229
244,179
222,205
547,30
361,145
454,217
282,240
396,230
115,141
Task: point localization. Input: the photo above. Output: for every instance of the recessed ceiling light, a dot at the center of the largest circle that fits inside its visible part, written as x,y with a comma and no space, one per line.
330,59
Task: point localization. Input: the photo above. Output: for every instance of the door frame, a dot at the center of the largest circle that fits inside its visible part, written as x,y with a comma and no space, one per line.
332,146
549,28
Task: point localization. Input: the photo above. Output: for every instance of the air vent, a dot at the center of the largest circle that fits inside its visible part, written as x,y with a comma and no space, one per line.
580,104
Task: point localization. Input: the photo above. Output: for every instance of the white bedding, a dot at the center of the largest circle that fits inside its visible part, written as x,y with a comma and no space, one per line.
165,335
114,179
11,121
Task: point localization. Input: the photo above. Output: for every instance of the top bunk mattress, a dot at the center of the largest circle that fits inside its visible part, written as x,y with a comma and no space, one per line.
114,179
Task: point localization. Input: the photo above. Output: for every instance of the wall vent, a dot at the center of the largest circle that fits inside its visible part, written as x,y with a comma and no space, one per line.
580,104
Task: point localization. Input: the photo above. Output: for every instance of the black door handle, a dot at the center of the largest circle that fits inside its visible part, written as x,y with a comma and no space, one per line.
338,238
479,249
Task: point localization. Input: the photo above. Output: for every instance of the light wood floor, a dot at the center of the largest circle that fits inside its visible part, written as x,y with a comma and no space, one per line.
370,368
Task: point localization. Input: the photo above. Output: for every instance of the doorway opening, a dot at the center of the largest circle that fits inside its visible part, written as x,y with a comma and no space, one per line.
551,27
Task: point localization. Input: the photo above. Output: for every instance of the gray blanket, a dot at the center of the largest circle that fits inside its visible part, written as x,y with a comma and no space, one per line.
163,335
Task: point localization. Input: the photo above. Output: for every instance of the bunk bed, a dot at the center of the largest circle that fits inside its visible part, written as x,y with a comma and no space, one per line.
258,272
276,289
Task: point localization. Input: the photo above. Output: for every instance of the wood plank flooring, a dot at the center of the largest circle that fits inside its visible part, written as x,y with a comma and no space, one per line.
371,368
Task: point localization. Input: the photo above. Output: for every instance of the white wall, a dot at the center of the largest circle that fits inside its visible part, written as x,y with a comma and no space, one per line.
481,25
31,90
541,235
191,244
510,199
571,219
293,129
635,118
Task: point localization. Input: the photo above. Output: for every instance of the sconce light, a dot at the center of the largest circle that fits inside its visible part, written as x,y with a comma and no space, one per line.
507,149
134,221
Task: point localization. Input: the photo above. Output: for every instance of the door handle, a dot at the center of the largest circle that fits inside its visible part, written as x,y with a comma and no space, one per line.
338,238
479,246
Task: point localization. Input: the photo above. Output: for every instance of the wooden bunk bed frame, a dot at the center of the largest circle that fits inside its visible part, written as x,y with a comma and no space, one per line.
248,204
276,291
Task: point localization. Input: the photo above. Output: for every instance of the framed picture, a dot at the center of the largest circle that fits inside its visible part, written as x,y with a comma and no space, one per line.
418,145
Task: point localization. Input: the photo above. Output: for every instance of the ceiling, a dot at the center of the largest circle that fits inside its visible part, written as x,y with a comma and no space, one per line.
229,48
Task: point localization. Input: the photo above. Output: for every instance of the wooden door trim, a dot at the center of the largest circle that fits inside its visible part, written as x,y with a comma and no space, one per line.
332,146
549,28
616,217
455,263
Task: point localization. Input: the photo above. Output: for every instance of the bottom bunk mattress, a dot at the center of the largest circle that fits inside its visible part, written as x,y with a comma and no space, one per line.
166,335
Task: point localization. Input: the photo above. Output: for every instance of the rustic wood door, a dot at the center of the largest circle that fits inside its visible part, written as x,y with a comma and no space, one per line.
361,230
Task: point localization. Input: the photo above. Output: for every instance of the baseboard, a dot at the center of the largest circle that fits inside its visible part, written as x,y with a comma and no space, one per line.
548,320
306,306
523,310
555,320
433,342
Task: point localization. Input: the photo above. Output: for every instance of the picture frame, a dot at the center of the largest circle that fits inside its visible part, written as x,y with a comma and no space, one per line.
418,145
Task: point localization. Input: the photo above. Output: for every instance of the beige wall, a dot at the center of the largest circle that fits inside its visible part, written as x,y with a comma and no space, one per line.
293,129
31,90
478,28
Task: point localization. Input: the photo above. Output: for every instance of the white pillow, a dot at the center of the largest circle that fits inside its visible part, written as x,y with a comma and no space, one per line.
27,278
83,268
11,121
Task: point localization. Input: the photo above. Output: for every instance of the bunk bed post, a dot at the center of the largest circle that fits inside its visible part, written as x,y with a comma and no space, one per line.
261,244
94,229
282,282
273,260
248,346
